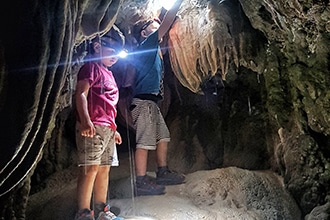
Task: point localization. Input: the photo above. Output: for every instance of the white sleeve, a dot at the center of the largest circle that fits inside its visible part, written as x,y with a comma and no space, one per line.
115,161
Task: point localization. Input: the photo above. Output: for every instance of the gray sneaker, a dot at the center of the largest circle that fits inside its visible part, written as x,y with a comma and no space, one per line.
106,214
147,186
169,177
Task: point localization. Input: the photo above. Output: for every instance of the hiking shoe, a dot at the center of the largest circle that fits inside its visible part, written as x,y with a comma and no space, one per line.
106,214
145,186
84,214
169,177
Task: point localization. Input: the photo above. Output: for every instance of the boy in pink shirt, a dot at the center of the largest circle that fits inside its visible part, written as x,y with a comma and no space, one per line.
96,100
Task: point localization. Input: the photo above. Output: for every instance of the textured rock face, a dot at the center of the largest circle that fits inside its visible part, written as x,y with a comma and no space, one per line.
300,32
36,47
297,82
247,85
245,194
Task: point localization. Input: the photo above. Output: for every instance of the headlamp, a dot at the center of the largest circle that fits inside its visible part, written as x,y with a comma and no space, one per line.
121,54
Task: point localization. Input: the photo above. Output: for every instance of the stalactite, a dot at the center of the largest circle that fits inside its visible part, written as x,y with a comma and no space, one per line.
211,52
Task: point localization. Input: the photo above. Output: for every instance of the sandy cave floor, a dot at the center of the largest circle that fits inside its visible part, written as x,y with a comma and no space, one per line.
222,194
58,200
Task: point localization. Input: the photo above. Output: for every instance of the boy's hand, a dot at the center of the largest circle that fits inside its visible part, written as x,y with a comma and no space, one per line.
118,139
87,129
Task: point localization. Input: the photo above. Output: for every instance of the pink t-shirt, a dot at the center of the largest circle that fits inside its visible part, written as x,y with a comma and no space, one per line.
103,94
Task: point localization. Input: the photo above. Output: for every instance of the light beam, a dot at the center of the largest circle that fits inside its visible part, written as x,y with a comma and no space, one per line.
167,4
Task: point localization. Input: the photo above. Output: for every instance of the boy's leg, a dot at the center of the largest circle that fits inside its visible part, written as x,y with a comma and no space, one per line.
142,115
165,176
161,154
105,144
94,179
101,189
141,158
101,184
144,185
86,177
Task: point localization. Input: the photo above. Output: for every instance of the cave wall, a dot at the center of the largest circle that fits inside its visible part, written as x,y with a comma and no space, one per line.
37,43
246,85
297,83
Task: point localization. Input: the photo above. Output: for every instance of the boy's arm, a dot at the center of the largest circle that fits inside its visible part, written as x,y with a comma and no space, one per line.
168,19
86,126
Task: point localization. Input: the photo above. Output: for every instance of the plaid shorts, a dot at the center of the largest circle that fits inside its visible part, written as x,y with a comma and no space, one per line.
97,150
149,124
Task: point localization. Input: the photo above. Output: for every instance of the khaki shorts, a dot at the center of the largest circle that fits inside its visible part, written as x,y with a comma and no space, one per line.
149,124
98,150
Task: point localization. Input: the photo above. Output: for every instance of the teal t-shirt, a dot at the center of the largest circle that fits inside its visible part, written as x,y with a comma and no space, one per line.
149,67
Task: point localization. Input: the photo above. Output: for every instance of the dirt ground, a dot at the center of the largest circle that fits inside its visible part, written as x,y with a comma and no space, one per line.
221,194
58,200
